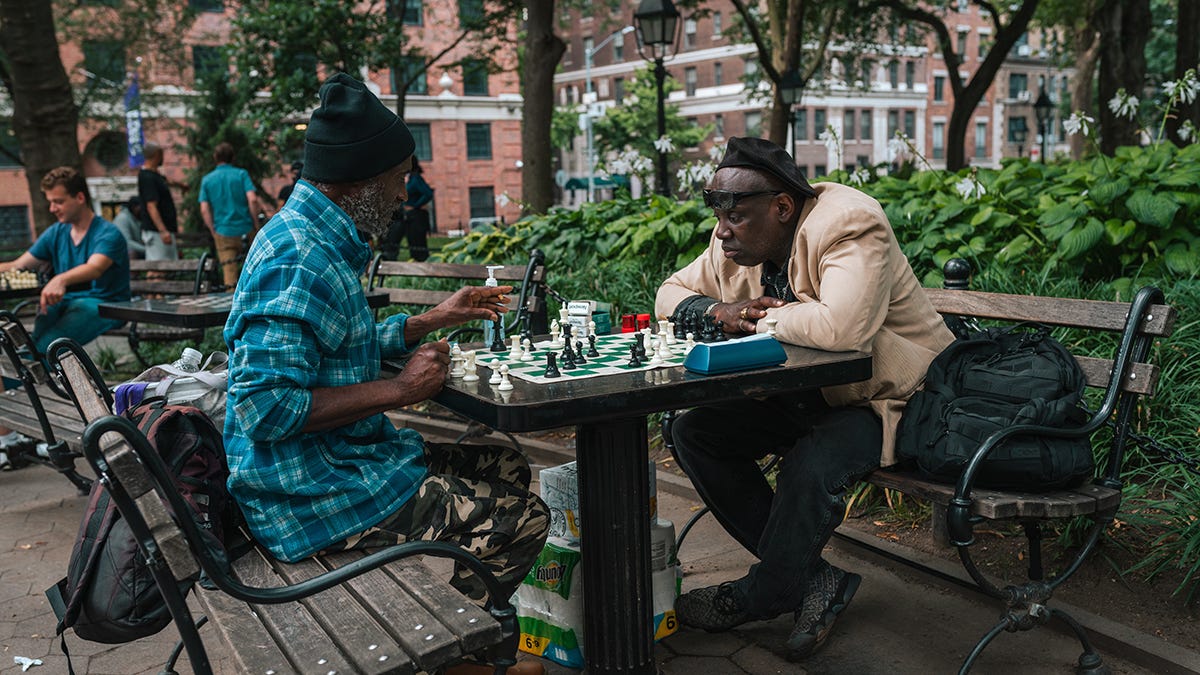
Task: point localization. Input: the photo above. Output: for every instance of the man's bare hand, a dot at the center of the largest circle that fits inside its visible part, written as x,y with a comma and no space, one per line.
425,373
742,317
472,303
52,293
166,237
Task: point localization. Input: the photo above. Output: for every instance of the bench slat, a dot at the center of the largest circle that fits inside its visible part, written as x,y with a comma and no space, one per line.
357,633
1090,314
162,287
427,641
253,647
1142,379
181,265
459,615
413,296
297,633
996,505
17,413
393,268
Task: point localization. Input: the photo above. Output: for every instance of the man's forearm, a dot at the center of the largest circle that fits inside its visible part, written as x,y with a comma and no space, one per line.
339,406
155,217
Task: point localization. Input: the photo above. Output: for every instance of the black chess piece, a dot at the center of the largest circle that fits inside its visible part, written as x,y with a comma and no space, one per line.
566,333
634,361
568,360
720,332
579,358
639,344
551,366
680,327
497,338
592,352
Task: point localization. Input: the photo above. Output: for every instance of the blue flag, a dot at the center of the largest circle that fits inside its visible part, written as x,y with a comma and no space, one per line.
133,123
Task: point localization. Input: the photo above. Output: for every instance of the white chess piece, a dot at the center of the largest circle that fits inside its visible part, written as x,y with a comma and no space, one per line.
527,355
662,326
515,353
555,331
495,378
470,368
656,357
456,362
671,339
689,342
771,326
505,384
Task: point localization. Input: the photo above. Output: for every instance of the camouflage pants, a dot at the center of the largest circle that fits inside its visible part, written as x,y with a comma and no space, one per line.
477,497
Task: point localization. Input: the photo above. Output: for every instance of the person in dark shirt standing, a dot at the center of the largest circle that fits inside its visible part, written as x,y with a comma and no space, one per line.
411,220
159,221
286,190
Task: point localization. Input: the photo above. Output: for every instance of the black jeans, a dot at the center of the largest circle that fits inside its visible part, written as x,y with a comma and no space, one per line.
823,451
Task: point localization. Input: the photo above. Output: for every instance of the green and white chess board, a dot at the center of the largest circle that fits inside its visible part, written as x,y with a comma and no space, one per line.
613,359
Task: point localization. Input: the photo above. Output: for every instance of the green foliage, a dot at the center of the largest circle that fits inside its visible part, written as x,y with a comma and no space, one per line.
617,251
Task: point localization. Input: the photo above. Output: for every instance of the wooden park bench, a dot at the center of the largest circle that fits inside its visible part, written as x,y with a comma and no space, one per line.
342,613
958,508
156,278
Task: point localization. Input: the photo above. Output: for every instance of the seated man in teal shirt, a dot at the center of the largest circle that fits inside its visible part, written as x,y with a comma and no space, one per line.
314,463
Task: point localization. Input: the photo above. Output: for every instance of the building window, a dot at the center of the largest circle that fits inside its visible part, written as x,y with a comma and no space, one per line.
894,74
14,228
483,202
984,45
1017,125
413,13
910,124
689,81
939,140
848,125
1018,86
589,44
800,125
207,62
910,74
719,122
412,70
420,134
818,170
981,139
479,140
939,88
862,160
10,149
864,125
893,123
618,51
475,77
718,73
868,69
689,33
962,43
207,5
819,123
716,19
106,60
619,89
470,13
753,124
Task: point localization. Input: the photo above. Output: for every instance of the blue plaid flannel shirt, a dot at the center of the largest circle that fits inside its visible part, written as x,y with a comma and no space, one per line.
300,321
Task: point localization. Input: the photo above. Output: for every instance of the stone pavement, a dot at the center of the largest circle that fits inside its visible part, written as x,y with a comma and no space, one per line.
898,623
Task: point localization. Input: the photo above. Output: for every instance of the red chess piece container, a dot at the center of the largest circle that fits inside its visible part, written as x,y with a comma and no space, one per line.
643,321
628,323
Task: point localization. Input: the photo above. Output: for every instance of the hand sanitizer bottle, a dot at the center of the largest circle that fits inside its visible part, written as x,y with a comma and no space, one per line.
491,281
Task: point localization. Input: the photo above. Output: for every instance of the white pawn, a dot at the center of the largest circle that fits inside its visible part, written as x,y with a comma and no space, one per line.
456,362
656,358
671,339
527,355
470,368
515,353
495,378
505,384
689,343
771,326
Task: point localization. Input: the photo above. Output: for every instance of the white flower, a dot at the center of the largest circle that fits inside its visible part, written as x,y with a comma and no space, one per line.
664,144
1123,104
897,144
860,176
715,152
830,138
502,199
1078,123
970,188
1187,132
1184,89
619,166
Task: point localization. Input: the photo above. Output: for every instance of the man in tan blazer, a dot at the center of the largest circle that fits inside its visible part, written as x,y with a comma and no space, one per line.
822,261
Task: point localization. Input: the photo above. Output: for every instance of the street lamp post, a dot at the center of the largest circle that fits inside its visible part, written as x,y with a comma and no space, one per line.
657,21
588,55
1043,109
791,89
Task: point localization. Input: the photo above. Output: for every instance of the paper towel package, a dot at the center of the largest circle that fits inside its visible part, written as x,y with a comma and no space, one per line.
560,491
550,601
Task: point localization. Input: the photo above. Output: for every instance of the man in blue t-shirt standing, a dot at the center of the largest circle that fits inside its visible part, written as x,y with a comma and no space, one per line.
228,203
90,260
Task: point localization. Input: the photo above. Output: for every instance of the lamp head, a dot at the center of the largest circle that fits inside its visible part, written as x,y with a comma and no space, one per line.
656,21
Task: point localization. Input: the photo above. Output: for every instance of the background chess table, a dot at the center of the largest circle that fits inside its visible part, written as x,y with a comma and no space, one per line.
613,359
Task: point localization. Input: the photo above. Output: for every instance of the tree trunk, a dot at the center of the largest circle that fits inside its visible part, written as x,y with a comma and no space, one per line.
45,117
1187,55
1124,31
543,49
777,125
1087,52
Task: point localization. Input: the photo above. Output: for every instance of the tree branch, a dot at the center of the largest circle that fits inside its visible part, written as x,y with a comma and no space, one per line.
764,52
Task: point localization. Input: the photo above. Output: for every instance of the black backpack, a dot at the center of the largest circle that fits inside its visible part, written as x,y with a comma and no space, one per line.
109,595
989,380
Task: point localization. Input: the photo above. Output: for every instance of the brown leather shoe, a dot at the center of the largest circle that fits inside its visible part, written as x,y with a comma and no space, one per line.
472,668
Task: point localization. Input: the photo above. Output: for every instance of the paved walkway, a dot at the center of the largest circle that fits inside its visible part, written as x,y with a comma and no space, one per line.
898,623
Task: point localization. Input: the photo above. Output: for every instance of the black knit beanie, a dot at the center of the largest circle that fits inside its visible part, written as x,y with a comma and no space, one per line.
761,154
352,136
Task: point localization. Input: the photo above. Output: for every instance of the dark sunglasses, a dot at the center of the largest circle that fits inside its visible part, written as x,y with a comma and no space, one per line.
725,200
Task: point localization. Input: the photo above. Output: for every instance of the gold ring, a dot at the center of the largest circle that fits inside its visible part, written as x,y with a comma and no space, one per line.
743,313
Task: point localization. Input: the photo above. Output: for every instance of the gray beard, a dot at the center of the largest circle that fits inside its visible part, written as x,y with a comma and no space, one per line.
368,211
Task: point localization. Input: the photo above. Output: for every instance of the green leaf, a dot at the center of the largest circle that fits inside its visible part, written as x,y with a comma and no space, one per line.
1181,260
1079,240
1014,249
1104,192
1063,211
1151,209
1119,230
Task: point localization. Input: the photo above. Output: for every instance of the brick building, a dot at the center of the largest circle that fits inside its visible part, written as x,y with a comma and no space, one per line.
466,119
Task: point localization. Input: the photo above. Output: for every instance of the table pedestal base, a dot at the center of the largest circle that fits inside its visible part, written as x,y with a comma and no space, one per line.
614,502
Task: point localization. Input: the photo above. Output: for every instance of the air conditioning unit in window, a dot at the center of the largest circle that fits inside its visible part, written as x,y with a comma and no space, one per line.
1023,95
1023,50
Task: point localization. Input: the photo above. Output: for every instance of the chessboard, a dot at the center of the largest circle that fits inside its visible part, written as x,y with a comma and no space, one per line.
613,359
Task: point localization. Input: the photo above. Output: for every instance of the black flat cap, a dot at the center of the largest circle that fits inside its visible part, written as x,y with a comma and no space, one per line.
763,155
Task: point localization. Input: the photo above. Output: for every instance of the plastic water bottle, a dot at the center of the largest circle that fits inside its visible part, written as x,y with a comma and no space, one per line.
189,361
491,281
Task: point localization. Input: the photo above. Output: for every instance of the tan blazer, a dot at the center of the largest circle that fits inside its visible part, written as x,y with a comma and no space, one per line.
856,291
